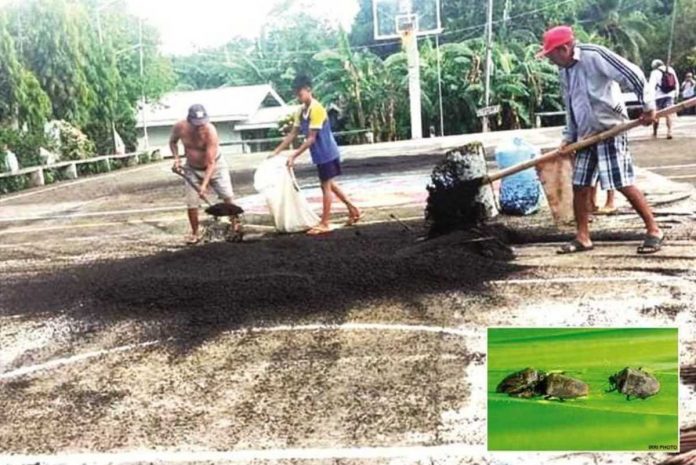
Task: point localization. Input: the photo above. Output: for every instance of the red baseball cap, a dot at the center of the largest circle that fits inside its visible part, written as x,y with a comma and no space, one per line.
554,38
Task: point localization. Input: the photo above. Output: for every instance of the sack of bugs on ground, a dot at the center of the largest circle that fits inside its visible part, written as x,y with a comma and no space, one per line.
290,210
456,199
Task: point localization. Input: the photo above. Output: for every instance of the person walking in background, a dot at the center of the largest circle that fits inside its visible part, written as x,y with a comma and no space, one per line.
9,160
688,91
663,79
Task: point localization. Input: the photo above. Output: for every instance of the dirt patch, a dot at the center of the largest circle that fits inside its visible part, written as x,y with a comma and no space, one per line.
203,290
670,310
688,375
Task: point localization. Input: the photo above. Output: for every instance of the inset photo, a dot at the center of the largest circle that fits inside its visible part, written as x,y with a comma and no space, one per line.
583,389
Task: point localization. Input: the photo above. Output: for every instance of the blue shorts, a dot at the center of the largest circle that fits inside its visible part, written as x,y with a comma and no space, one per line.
664,102
609,162
328,171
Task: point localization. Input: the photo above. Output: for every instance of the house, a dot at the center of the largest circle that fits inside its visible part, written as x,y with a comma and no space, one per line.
240,114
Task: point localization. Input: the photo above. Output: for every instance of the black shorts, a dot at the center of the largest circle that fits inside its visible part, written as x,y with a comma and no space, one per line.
328,171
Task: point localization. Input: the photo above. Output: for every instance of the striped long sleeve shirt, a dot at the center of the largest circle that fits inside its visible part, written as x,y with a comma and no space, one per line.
592,91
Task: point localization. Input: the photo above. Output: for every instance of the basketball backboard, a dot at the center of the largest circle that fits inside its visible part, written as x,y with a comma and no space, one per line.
393,17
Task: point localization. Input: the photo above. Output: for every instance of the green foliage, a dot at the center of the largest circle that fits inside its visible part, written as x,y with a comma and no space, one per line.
55,175
285,47
53,48
24,145
97,167
622,23
74,144
55,65
13,184
144,157
22,101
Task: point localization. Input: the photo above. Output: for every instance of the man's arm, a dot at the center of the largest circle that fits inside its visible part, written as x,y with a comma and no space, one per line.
628,75
212,148
287,140
305,145
174,145
570,132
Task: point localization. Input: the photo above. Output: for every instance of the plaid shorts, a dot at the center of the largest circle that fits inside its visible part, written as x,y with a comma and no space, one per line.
609,162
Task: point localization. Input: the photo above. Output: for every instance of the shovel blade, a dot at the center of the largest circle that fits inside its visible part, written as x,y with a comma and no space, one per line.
556,177
224,209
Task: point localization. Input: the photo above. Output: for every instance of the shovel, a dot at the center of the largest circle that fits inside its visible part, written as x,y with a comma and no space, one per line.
217,210
555,168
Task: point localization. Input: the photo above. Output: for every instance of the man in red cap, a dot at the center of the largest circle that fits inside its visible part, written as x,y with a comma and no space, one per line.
591,78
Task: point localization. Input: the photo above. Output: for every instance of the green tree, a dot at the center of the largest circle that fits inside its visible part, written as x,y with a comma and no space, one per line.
622,23
115,71
52,50
22,101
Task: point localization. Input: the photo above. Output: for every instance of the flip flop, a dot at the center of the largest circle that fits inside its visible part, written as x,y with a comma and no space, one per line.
573,246
192,240
651,244
318,231
606,211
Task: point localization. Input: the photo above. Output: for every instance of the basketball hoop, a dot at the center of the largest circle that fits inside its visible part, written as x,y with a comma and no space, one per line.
392,17
407,27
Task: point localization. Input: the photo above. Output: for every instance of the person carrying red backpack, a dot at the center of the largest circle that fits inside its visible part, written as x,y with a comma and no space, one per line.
664,80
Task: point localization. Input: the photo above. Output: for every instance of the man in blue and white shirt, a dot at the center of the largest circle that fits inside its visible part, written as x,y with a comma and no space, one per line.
664,97
591,77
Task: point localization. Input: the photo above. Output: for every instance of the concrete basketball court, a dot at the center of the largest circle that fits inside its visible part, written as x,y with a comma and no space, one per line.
121,345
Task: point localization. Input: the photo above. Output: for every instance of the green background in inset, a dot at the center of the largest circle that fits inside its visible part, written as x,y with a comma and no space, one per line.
600,422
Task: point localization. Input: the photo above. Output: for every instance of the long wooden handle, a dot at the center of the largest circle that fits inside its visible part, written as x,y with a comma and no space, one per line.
192,184
584,143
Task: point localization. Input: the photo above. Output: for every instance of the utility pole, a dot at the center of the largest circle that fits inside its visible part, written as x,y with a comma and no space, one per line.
489,39
671,32
142,82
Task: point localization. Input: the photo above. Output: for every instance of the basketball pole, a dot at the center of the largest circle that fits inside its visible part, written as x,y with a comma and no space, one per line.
410,41
439,84
489,39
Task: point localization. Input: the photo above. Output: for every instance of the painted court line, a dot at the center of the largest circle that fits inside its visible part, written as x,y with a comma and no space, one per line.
163,456
14,219
285,328
69,361
365,327
668,167
89,225
589,280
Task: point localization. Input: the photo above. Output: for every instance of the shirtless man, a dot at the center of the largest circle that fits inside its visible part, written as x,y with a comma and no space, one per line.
205,165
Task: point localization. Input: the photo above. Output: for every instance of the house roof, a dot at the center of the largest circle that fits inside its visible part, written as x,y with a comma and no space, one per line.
266,117
224,104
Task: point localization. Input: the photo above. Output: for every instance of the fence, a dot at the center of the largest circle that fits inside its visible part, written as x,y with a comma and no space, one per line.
36,176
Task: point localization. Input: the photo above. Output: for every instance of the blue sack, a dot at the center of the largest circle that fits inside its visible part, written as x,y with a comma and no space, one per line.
520,194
